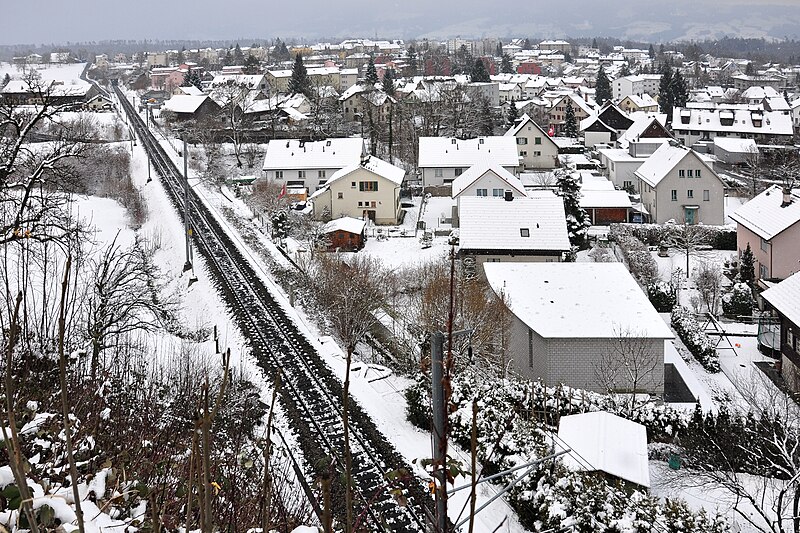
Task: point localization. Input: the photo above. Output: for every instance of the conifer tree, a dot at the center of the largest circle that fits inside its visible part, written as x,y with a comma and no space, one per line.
238,55
665,96
505,65
299,83
412,59
251,65
512,114
747,270
602,87
577,219
679,90
371,76
192,78
387,84
651,52
625,70
570,122
479,72
181,56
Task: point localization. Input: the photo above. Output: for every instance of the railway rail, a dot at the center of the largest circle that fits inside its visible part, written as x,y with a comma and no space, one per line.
310,393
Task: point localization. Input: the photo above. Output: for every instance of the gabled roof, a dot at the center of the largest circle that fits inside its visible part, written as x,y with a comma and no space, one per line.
601,441
184,103
785,297
576,300
476,172
328,153
738,121
377,166
615,117
526,120
764,216
348,224
645,126
452,152
488,223
664,160
599,199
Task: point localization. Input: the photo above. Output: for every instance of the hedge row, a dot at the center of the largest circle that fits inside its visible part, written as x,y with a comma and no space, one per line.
695,339
719,237
640,261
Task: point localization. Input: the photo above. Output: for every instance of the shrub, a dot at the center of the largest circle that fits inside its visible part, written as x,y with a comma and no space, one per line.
662,296
738,302
640,261
695,339
719,237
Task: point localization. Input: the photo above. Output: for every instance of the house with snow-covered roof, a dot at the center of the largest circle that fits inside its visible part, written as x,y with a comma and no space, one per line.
770,224
691,125
309,164
784,298
635,102
676,183
187,107
346,234
368,189
509,229
567,316
535,147
485,181
443,159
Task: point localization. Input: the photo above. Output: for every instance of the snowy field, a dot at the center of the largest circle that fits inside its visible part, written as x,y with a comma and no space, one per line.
47,72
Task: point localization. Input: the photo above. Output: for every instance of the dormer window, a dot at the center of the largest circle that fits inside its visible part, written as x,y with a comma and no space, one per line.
524,232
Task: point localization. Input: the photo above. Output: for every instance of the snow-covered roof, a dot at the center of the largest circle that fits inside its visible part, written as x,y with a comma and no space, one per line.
191,90
328,153
644,100
618,155
759,93
577,300
785,297
764,216
348,224
489,223
663,160
526,120
640,123
375,165
451,152
601,441
604,199
735,145
184,103
738,121
476,172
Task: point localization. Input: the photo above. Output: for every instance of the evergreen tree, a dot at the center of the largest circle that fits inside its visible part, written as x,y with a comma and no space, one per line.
512,114
280,52
749,69
602,87
181,56
665,98
747,269
479,72
651,52
228,59
577,219
625,70
526,45
6,79
594,44
412,59
570,122
251,65
371,76
238,55
388,82
498,50
485,118
679,90
192,78
505,65
299,83
567,57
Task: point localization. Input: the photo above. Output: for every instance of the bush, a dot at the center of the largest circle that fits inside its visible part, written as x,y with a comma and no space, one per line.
662,296
738,302
695,339
719,237
640,261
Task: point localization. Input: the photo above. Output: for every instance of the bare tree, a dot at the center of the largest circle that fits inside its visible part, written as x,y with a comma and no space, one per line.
708,280
235,98
690,239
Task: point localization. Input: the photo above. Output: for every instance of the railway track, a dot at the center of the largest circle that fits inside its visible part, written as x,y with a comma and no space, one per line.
310,393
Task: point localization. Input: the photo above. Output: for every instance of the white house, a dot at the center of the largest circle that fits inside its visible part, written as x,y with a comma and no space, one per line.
309,164
676,183
637,84
511,229
369,190
692,125
485,180
570,319
443,159
535,147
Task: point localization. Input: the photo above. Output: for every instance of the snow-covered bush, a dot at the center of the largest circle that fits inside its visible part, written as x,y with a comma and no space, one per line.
662,296
738,302
640,261
601,254
719,237
695,339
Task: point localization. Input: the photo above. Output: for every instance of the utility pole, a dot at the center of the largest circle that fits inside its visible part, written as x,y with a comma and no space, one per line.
147,118
187,224
439,428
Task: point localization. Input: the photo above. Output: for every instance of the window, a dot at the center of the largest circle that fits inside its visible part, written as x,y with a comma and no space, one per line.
706,195
498,193
522,140
368,186
537,153
689,173
437,172
681,173
340,196
523,153
537,140
690,193
764,245
763,271
279,174
459,171
301,173
524,232
352,184
697,173
482,192
321,174
674,195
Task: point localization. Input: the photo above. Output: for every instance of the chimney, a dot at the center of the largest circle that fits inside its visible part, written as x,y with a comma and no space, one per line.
787,197
509,197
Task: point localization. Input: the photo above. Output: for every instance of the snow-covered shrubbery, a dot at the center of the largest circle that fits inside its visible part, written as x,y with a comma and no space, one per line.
662,296
719,237
695,339
514,424
738,302
640,262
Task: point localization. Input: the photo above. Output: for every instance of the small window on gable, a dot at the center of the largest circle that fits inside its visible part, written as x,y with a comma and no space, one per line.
352,184
524,232
340,196
537,140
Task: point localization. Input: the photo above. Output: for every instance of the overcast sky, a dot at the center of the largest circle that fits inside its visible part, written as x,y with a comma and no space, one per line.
60,21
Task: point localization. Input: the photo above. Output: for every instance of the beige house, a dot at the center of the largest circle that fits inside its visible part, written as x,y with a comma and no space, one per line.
572,323
677,184
310,164
443,159
483,181
535,148
368,190
770,224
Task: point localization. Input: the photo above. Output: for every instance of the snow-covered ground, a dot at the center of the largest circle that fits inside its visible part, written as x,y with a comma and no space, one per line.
48,72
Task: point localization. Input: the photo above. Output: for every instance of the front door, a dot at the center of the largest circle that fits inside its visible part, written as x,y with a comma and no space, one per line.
690,215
